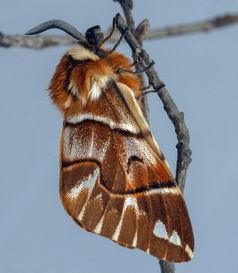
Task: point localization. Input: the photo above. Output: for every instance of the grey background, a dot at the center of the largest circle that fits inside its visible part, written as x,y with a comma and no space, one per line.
200,71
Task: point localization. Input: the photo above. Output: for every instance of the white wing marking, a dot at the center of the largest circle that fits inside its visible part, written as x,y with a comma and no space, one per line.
175,239
113,125
89,185
160,230
129,202
78,148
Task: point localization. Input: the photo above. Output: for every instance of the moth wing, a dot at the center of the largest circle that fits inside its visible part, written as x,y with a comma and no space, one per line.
116,183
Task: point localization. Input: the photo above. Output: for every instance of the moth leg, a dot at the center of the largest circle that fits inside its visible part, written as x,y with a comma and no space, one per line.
156,90
145,91
110,34
119,41
146,87
121,70
134,64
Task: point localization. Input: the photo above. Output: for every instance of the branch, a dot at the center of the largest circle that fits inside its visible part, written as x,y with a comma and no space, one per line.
183,149
203,26
36,42
166,267
139,33
42,41
184,152
127,6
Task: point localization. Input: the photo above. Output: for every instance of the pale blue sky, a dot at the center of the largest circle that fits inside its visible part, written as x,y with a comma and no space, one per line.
200,70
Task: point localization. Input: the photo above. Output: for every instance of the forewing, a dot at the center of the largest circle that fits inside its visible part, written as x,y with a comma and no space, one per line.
114,182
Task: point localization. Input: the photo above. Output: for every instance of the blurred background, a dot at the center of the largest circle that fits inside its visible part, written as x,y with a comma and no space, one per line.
200,72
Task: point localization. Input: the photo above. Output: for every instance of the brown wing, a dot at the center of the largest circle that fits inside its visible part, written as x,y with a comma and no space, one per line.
115,182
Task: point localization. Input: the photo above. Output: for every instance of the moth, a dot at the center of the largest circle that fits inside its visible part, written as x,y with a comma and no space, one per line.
114,180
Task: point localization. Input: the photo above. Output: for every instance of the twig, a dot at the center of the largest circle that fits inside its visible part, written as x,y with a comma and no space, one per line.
127,6
166,267
138,32
170,107
142,30
203,26
42,41
184,152
35,42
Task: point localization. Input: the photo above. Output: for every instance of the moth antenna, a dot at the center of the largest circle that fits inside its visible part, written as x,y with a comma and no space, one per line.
60,24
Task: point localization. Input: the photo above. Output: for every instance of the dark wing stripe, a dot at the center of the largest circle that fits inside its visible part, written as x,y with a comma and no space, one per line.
168,184
134,158
66,164
155,185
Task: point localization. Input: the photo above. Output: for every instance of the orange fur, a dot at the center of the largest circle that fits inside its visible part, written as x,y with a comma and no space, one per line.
117,60
81,75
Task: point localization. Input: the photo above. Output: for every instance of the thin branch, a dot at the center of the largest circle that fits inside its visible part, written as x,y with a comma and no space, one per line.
142,30
211,24
39,42
35,42
183,149
170,107
138,32
127,6
166,267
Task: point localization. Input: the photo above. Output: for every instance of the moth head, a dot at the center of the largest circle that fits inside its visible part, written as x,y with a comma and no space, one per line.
93,38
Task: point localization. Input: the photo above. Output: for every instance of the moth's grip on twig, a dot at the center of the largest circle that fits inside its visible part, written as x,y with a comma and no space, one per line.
156,90
120,70
119,41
